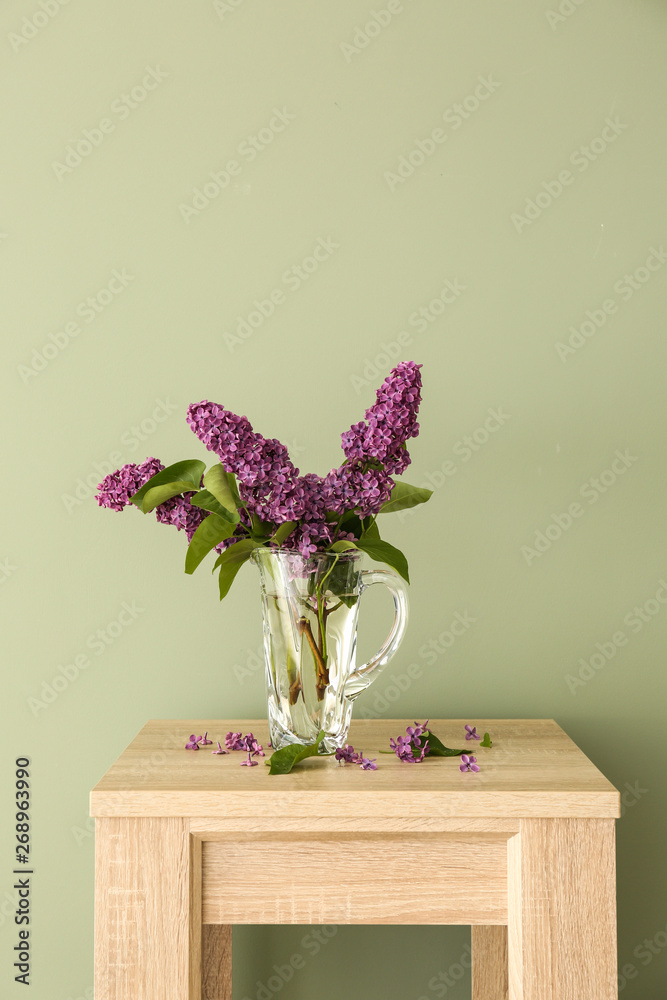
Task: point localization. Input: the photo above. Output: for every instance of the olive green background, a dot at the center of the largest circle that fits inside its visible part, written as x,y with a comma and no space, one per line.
503,259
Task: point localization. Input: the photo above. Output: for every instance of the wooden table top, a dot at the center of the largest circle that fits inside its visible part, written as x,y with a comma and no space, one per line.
533,770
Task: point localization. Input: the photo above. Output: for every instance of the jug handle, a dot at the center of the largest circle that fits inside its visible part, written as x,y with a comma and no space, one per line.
361,677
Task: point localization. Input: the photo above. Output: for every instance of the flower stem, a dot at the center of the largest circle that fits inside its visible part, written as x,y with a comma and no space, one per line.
322,672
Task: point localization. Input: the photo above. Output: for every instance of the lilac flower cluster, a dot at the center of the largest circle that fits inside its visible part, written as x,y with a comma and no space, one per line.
348,755
409,748
390,422
116,489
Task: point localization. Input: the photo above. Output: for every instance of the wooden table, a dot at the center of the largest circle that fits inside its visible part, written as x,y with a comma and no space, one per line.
188,844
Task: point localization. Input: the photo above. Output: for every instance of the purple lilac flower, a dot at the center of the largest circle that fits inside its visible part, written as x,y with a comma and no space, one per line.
368,764
234,741
193,743
219,750
204,740
472,734
352,488
468,763
116,489
417,730
347,755
252,746
269,484
390,422
180,512
249,762
405,747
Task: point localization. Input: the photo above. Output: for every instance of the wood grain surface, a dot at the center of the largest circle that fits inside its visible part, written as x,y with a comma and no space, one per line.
355,879
533,770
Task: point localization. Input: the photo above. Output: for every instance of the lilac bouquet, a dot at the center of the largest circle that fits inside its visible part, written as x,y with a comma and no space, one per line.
255,497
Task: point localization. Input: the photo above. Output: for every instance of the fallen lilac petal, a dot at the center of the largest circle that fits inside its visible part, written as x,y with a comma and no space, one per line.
234,741
204,740
219,750
471,733
193,743
347,755
368,764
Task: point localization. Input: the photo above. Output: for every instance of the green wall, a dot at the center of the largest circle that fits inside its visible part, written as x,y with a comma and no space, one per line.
529,229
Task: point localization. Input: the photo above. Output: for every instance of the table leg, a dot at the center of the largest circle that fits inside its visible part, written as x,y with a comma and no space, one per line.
147,910
489,962
216,974
562,910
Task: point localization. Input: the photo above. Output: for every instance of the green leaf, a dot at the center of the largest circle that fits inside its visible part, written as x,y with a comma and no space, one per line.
343,545
231,560
282,761
386,553
403,496
487,741
158,494
438,749
261,530
210,533
207,501
189,471
222,485
281,533
372,532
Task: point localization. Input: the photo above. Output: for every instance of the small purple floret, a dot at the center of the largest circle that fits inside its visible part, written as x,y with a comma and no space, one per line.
347,755
472,734
468,763
409,748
